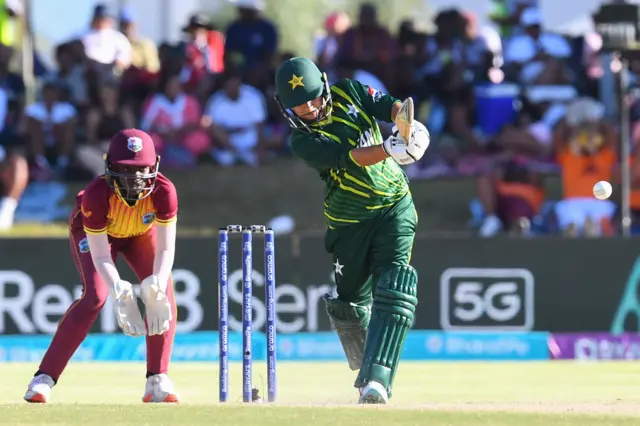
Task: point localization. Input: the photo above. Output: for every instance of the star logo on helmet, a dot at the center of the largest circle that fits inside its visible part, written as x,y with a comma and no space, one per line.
296,81
134,144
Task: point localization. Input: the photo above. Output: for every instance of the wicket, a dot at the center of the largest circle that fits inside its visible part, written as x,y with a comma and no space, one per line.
247,308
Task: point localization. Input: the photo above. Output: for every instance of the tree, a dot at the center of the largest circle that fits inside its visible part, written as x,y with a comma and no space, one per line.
298,23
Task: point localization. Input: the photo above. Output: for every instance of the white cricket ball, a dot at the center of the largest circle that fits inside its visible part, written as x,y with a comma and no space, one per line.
602,190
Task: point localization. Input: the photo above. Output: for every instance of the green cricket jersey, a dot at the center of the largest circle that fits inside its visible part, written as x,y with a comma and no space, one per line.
353,193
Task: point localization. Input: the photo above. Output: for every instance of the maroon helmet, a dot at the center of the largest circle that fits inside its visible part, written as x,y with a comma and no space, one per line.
131,164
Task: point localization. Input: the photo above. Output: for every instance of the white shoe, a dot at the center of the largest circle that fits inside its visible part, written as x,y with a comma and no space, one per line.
159,388
490,227
7,213
39,389
373,393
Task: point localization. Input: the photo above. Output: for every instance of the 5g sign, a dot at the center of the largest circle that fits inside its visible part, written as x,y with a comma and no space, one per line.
486,299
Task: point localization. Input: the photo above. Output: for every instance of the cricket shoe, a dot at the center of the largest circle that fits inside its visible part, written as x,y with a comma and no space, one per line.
39,389
373,393
159,388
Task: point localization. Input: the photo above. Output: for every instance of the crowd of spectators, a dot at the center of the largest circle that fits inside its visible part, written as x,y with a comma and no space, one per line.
504,106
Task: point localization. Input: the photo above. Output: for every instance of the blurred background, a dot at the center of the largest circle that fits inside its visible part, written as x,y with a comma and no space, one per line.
522,104
522,107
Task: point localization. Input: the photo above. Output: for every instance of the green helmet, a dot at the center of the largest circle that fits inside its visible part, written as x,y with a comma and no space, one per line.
298,81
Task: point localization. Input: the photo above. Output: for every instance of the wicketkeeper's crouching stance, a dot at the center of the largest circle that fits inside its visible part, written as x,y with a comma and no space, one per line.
369,210
130,210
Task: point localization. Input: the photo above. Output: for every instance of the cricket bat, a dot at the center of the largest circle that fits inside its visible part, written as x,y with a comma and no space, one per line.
404,118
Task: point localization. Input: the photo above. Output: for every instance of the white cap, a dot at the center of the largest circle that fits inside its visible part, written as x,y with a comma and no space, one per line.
531,16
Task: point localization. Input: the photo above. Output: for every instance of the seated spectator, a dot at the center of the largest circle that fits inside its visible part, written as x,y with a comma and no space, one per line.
506,14
511,196
50,133
71,76
542,107
14,89
450,62
369,45
536,56
14,172
204,52
138,79
107,49
585,149
251,41
327,46
172,118
236,116
103,121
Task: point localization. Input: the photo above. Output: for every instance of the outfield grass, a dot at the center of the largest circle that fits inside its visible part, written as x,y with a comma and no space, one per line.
452,394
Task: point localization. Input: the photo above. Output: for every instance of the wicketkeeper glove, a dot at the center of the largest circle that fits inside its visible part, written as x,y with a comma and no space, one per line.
158,308
127,311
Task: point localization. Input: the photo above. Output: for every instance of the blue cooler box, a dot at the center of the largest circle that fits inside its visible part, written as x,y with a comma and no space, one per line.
495,106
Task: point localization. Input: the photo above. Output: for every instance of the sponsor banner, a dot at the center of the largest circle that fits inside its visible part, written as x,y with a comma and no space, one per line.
465,284
323,346
594,346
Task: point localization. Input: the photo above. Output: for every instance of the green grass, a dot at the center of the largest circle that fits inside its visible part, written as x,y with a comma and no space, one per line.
451,394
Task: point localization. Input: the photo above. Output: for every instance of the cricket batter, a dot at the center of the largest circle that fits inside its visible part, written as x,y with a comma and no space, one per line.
130,210
368,208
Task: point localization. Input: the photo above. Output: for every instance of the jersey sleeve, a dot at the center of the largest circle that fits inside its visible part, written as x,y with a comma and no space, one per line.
374,102
320,152
165,201
95,207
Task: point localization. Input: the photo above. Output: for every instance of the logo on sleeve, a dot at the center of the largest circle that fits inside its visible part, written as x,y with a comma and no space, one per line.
134,144
86,213
83,246
148,218
375,94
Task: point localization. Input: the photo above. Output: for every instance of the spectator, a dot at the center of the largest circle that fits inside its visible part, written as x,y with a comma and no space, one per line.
585,147
172,117
70,76
12,12
251,40
14,89
236,115
204,52
108,50
138,79
408,43
327,47
369,45
510,197
14,176
103,121
144,53
542,108
50,132
507,13
14,172
451,61
536,56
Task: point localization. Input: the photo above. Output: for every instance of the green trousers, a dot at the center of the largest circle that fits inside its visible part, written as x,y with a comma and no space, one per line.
361,252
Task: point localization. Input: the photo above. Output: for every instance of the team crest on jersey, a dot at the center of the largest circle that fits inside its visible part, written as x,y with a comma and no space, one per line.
83,246
134,144
375,94
148,218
